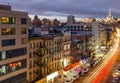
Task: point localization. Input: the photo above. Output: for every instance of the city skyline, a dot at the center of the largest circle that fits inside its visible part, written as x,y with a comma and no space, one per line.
61,8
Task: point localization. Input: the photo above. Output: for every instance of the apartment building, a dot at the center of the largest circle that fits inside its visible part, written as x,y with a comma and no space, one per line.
45,58
13,45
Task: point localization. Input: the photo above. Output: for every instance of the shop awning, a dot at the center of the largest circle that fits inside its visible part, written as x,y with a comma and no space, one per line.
71,66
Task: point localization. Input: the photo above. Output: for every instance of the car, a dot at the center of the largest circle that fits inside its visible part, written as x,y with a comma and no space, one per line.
69,81
81,73
75,77
95,63
115,80
85,70
116,74
119,68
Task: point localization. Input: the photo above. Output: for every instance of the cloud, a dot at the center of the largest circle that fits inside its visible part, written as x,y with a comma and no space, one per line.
79,8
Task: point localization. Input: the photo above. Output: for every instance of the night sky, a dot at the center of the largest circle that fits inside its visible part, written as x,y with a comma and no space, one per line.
62,8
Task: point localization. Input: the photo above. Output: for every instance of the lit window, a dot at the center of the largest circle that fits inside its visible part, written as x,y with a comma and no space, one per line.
4,20
23,30
7,20
8,31
2,70
23,40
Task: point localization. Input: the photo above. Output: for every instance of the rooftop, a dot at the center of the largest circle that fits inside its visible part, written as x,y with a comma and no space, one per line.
5,7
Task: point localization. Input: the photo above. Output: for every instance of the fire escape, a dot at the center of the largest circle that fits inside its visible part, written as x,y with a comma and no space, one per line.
39,54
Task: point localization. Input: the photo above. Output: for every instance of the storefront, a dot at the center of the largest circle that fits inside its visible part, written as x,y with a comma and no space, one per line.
71,71
67,61
59,78
51,78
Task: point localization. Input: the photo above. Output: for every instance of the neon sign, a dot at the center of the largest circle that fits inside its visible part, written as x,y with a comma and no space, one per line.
15,64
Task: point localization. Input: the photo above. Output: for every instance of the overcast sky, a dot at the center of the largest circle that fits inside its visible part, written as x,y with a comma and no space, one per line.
62,8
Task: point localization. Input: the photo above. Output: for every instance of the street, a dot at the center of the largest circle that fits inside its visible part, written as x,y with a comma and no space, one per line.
99,72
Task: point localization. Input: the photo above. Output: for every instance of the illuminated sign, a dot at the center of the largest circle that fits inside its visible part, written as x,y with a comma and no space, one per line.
15,64
71,66
52,75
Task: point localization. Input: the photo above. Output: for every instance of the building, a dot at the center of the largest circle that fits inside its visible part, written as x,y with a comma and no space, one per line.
92,19
76,51
13,45
109,18
45,58
79,28
71,19
66,47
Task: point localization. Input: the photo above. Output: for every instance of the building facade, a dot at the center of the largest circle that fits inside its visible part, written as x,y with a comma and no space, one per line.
45,58
71,19
13,45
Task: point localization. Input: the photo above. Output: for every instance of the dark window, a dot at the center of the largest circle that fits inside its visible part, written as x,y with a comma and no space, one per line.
30,55
82,30
82,27
71,26
8,42
11,20
23,21
13,53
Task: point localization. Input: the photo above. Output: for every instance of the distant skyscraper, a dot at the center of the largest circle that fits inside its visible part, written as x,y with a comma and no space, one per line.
71,19
109,18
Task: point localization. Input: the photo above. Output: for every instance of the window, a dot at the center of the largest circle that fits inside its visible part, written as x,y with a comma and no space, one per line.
11,20
2,70
8,42
11,67
23,30
13,53
82,30
30,55
3,55
4,20
8,31
7,20
23,40
23,21
30,65
74,29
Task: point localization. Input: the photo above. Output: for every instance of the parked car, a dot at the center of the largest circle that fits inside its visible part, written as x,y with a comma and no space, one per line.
81,73
116,74
75,77
85,70
95,63
68,81
115,80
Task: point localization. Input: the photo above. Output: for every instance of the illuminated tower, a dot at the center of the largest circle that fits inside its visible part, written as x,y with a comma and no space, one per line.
109,18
